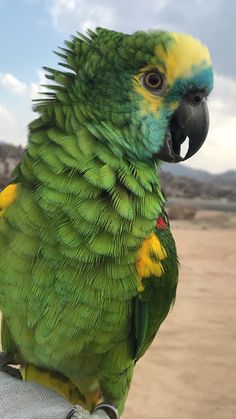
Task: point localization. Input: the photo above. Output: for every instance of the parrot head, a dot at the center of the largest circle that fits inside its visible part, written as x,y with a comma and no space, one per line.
142,94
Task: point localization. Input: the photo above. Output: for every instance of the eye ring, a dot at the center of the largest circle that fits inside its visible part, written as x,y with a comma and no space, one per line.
153,81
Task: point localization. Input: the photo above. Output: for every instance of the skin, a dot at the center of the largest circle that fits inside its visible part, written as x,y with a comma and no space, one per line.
86,275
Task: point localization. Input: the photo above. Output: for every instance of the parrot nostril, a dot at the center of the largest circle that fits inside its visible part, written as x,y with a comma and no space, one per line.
195,98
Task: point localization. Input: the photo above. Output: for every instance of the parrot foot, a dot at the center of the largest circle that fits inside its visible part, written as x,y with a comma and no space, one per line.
6,359
110,410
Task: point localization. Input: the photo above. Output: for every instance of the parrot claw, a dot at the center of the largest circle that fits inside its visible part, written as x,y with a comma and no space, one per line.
109,409
7,358
71,414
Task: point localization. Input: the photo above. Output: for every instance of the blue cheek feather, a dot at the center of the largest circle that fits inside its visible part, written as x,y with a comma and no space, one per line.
150,132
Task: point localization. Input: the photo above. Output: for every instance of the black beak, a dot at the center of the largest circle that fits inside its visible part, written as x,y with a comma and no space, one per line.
190,120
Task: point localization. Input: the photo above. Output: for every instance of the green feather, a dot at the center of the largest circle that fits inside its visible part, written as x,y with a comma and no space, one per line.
141,325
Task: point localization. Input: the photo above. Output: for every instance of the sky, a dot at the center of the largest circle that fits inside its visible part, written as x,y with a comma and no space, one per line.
31,29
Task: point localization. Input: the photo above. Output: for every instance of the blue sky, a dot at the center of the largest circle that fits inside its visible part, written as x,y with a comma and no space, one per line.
31,29
27,37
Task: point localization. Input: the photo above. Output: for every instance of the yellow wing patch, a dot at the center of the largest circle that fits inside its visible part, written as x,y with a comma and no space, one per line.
7,197
150,255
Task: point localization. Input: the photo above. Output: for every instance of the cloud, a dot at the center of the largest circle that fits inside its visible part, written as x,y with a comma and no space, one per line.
223,97
12,84
5,114
36,89
79,15
32,90
10,129
15,117
218,152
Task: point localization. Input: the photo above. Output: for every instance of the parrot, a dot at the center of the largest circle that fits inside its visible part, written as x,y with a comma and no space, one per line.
88,264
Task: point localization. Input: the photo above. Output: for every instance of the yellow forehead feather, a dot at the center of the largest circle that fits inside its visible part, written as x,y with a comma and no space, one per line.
182,56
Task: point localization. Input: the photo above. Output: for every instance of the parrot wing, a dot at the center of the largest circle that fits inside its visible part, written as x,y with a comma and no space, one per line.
7,197
157,265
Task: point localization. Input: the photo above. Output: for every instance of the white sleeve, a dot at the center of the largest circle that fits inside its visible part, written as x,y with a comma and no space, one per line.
25,400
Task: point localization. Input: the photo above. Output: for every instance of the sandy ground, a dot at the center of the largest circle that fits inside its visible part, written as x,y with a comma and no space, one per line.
190,370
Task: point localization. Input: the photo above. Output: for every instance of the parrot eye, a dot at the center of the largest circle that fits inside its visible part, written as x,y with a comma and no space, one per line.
153,81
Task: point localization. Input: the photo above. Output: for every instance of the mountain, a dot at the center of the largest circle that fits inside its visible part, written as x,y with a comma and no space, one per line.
10,155
183,170
181,181
186,171
226,179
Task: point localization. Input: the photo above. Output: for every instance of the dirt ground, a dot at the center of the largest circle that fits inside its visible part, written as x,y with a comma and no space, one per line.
190,370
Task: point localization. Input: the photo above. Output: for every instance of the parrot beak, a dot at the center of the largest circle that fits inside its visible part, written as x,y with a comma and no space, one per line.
190,120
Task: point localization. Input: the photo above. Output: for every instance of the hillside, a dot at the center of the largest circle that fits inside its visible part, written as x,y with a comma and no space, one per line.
9,157
217,187
226,178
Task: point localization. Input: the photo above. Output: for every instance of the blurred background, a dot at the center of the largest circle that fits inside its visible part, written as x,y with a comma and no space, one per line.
189,372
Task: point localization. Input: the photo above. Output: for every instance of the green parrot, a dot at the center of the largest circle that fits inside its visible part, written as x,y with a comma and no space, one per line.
88,266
